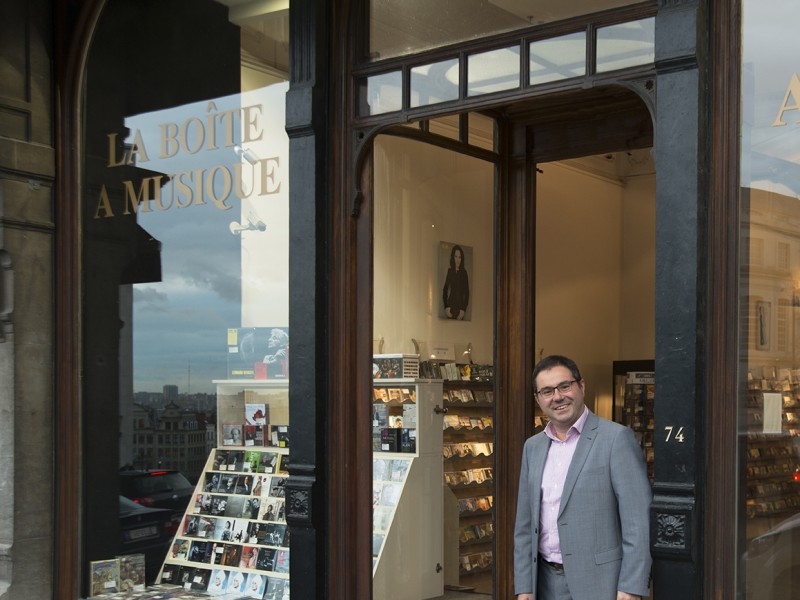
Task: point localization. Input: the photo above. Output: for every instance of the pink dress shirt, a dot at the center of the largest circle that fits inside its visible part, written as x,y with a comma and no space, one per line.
554,475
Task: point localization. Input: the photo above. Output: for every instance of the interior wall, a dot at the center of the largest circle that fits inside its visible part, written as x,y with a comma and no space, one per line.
425,195
595,272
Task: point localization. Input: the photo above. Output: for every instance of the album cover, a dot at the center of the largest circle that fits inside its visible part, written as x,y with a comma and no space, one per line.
104,576
277,488
275,534
270,510
251,508
218,582
255,584
249,557
275,588
380,416
236,581
220,460
200,579
235,460
256,533
256,414
180,549
266,559
282,561
259,437
244,485
231,556
234,506
219,504
408,440
211,482
268,462
131,573
231,434
227,484
283,465
249,435
251,461
390,439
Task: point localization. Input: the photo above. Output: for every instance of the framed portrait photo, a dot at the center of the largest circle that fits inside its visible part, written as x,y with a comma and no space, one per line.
455,262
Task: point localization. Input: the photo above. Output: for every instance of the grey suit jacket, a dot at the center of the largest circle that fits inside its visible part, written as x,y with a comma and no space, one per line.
603,521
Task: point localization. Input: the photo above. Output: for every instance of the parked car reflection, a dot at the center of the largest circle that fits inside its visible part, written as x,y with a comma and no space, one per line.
772,563
147,531
161,488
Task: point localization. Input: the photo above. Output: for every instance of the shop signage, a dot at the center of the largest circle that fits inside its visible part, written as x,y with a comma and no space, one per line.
217,184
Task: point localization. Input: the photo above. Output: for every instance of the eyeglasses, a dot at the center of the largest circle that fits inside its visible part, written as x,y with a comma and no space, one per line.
563,387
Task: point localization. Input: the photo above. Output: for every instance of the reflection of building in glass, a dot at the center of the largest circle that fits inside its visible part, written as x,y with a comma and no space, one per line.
173,438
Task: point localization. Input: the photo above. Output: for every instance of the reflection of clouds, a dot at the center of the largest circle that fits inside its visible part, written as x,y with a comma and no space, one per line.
221,281
146,295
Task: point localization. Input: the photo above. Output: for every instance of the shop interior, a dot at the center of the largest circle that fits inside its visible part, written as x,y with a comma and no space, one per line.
594,295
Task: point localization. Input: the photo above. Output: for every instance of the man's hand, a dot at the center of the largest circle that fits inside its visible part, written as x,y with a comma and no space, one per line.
525,597
627,596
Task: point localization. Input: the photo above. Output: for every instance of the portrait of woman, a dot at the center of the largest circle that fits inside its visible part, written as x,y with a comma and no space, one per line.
455,292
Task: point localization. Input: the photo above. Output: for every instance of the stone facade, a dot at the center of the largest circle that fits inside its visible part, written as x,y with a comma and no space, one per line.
27,169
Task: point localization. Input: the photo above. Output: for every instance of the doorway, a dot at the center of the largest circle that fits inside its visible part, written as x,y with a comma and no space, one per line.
577,168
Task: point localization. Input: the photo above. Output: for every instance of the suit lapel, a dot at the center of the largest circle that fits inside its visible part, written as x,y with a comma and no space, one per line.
537,466
585,442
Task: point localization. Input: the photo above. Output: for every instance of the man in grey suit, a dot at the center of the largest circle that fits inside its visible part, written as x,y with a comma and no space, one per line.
582,529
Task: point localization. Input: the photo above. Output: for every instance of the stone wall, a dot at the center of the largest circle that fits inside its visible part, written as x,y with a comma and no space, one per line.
27,168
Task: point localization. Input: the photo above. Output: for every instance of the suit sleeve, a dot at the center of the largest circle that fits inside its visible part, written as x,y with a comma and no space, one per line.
523,533
634,496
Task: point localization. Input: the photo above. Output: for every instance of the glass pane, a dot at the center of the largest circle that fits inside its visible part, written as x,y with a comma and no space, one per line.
433,522
401,27
482,131
186,229
493,71
769,295
381,94
434,83
447,126
558,58
626,45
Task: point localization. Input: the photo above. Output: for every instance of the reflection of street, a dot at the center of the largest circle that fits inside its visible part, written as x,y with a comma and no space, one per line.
772,563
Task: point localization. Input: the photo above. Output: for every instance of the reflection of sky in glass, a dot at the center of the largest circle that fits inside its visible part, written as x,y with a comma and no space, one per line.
770,155
180,323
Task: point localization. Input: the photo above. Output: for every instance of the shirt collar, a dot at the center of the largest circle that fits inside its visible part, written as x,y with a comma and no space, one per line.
577,427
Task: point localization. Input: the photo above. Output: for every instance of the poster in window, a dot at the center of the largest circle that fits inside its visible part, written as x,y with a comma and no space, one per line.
455,262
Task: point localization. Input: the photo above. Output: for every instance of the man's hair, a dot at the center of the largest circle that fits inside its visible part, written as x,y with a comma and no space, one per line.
552,361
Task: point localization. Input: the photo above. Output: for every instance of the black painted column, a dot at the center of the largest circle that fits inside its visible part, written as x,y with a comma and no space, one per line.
307,126
676,518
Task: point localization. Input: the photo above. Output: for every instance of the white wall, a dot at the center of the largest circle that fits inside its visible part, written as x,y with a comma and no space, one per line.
425,195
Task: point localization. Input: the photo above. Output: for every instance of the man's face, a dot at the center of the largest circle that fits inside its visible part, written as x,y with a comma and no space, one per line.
274,339
562,408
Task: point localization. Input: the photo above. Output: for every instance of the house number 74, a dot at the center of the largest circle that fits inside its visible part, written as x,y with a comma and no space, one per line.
678,437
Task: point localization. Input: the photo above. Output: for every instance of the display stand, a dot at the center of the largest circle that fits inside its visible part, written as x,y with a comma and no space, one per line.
407,489
468,448
634,404
233,537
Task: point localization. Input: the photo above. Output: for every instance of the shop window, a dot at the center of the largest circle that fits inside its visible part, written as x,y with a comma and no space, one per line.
401,27
768,525
493,71
562,57
185,221
625,45
434,83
